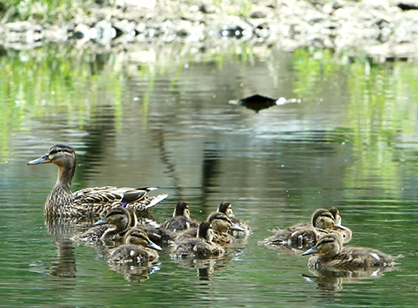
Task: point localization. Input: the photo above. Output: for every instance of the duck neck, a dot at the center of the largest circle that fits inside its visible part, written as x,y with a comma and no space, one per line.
61,194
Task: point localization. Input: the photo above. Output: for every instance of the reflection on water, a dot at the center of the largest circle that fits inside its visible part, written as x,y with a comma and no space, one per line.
135,273
332,279
350,143
61,230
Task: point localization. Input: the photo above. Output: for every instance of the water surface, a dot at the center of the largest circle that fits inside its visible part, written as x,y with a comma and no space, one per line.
350,142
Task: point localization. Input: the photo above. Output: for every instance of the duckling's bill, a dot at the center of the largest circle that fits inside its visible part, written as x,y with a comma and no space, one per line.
152,245
100,222
338,226
236,228
311,251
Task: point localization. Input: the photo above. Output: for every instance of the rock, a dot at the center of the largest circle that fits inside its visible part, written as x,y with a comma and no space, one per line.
207,8
103,32
23,32
405,4
258,13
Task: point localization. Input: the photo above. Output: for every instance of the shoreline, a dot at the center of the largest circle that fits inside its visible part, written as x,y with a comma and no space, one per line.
383,29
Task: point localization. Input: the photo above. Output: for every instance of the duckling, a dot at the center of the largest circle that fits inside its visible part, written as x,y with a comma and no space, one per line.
330,253
345,232
158,235
221,223
304,235
181,219
226,208
199,247
111,227
185,234
134,250
89,201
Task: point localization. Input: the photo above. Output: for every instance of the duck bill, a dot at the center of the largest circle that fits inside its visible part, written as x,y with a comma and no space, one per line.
41,160
152,245
310,251
100,222
338,226
236,228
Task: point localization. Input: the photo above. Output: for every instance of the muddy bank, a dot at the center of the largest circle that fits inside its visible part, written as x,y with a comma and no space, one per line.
383,28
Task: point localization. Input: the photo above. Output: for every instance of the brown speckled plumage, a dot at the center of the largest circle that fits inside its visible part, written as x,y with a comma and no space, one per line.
305,235
112,227
200,246
329,252
89,201
181,219
136,249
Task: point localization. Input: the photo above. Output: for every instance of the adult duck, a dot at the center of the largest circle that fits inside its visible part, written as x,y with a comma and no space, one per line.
89,201
329,252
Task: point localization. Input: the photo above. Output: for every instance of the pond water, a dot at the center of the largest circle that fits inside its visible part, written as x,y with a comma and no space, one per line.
350,141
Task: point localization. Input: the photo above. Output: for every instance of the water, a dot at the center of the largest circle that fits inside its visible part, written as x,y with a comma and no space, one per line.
350,142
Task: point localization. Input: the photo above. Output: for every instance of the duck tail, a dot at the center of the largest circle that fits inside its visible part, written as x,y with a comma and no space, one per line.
154,201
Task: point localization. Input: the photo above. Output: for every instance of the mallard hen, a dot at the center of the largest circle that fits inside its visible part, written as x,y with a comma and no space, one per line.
89,201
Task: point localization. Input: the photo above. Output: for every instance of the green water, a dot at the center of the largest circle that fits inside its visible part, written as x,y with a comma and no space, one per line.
350,142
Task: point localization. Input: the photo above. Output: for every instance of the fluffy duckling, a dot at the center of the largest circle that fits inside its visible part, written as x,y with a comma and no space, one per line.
305,235
226,208
200,246
181,219
112,227
221,223
158,235
135,249
185,234
345,232
330,253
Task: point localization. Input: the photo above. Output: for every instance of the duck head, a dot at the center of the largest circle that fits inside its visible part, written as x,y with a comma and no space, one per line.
220,222
64,157
119,216
138,237
328,246
182,209
324,219
226,208
205,231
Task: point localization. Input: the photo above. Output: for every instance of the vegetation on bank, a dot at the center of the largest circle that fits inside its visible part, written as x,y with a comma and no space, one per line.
42,10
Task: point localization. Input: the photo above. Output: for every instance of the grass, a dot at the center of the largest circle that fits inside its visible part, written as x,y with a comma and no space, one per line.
46,11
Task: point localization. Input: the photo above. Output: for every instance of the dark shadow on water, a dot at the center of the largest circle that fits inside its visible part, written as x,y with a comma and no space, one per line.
257,102
210,167
101,133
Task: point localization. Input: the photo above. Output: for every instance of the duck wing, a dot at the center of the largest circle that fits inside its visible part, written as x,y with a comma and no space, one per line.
108,197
